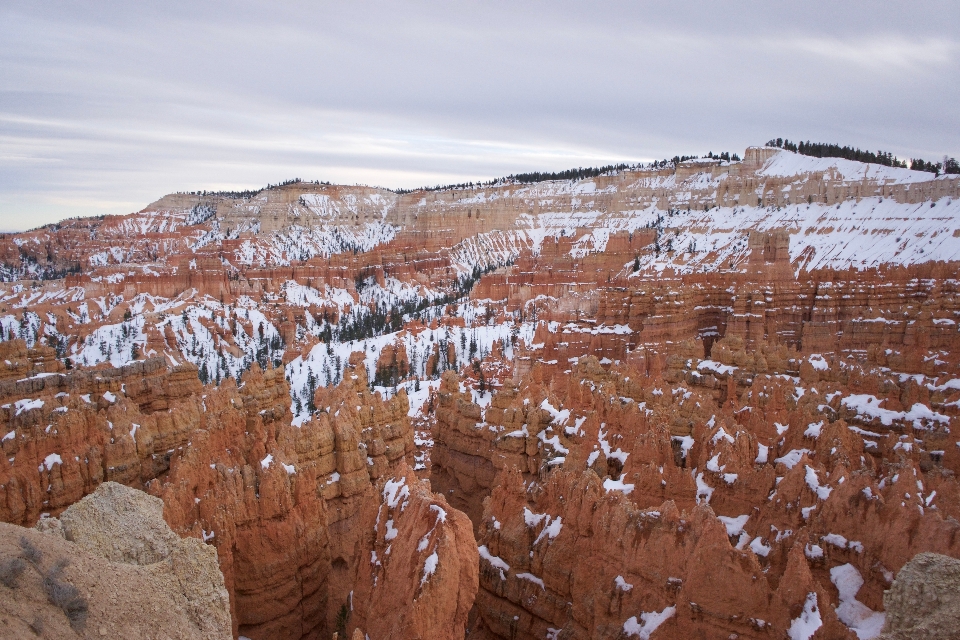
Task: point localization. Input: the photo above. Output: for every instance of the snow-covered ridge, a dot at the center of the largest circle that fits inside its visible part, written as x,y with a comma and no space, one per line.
839,213
302,243
490,249
787,164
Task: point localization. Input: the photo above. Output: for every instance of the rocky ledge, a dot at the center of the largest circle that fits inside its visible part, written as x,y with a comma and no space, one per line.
110,567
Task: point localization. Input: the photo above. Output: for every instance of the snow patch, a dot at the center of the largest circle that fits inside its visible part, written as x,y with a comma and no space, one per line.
648,623
806,624
863,621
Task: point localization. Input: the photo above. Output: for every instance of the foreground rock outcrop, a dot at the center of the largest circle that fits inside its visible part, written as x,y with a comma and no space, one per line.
110,567
924,600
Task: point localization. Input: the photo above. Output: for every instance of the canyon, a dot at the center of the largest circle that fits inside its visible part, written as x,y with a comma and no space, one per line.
709,399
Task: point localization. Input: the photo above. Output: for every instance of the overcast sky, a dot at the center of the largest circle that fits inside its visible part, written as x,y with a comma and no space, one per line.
106,106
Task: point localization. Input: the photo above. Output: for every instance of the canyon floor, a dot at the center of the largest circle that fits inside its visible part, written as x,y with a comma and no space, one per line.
709,400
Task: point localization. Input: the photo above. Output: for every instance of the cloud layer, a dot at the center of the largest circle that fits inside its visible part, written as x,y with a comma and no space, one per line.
105,109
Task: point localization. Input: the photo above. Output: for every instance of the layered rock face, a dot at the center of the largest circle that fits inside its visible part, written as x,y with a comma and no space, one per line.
286,506
807,511
110,566
706,400
290,507
70,431
422,574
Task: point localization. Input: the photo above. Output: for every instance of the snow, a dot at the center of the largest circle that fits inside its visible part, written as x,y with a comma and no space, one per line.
818,362
838,540
429,567
813,551
648,623
26,405
289,468
111,343
551,529
622,584
553,441
610,484
109,397
813,430
734,525
492,559
532,519
791,458
865,622
789,164
715,367
757,546
869,406
713,464
552,526
302,243
394,491
50,460
304,296
327,363
265,463
532,578
607,451
441,513
720,434
417,399
575,430
704,490
762,453
806,624
686,443
862,233
391,531
814,483
559,418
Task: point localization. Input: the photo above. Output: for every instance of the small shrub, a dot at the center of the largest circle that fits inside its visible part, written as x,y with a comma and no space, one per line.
10,571
65,595
29,552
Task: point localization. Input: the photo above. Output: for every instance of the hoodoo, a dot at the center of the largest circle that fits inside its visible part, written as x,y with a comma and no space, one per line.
707,398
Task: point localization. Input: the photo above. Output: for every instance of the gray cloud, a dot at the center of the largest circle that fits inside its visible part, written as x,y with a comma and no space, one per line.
104,109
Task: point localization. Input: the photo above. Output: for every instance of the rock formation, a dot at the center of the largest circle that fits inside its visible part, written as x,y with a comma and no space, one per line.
697,400
110,567
420,579
922,601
